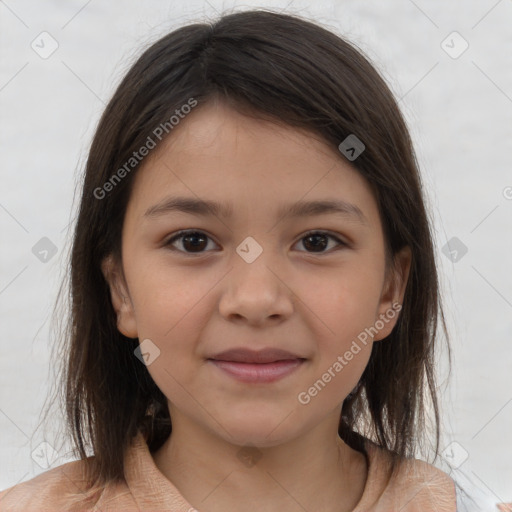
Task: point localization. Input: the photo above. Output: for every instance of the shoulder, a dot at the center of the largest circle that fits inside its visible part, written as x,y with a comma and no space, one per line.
415,487
47,491
64,488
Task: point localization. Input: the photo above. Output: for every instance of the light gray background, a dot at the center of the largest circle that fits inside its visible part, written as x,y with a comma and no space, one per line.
460,115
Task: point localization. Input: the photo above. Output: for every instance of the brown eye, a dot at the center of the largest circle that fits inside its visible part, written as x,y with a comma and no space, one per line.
317,241
191,241
196,242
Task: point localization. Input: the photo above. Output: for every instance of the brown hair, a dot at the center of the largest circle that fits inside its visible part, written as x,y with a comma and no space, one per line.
279,67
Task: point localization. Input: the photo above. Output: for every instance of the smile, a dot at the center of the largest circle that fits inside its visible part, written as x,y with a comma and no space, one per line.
258,372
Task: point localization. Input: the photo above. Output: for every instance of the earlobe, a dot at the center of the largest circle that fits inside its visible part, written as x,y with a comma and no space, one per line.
393,294
121,302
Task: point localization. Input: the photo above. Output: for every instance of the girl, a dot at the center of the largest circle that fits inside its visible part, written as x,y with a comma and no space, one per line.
254,289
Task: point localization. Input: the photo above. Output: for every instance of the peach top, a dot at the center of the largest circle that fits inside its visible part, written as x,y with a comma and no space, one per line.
418,487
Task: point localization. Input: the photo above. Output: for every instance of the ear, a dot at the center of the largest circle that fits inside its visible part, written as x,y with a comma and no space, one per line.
393,292
126,322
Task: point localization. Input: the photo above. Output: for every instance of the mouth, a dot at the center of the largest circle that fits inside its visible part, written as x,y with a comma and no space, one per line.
266,355
264,366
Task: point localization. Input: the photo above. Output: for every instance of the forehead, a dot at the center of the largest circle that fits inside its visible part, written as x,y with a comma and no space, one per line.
216,131
216,153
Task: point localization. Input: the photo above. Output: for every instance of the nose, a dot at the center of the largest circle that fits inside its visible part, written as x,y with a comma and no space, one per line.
255,293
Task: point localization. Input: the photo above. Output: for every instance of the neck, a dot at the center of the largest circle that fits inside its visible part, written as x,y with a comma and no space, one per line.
316,471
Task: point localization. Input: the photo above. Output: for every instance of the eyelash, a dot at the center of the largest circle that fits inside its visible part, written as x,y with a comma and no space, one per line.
181,234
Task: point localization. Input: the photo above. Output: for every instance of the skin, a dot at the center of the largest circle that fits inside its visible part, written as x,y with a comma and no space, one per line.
311,302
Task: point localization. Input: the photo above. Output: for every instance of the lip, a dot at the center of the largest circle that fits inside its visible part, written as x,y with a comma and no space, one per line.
245,355
257,366
258,372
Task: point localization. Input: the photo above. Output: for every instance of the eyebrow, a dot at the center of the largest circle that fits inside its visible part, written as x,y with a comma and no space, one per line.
205,208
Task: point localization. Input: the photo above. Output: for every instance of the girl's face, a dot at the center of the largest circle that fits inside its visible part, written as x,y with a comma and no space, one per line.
249,276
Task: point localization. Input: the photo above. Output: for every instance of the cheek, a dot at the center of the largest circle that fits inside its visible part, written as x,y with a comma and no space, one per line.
344,301
168,301
171,307
342,307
